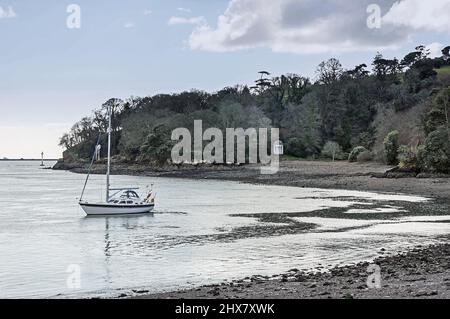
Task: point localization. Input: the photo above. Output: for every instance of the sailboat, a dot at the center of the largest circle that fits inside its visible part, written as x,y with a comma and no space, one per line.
118,201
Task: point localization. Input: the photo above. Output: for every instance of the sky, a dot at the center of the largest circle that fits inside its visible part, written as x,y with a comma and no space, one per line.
60,60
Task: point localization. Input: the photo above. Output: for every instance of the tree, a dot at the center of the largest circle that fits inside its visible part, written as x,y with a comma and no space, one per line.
391,147
385,69
421,53
439,115
358,72
301,127
157,146
340,106
446,53
298,87
65,141
328,72
116,106
263,83
408,158
332,150
231,115
436,153
277,93
410,59
353,156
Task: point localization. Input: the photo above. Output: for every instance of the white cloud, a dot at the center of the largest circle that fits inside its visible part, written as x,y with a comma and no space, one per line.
9,13
147,12
430,15
187,10
129,25
182,20
311,26
435,49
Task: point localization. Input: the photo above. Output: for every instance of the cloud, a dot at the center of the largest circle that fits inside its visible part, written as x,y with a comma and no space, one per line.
430,15
187,10
435,49
147,12
129,25
9,13
311,26
182,20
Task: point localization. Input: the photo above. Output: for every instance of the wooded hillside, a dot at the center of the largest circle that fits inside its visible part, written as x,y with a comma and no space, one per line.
396,110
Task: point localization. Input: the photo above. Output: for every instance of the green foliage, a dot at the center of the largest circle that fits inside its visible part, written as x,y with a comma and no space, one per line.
435,154
366,139
157,146
391,146
340,106
439,115
353,157
301,128
231,115
294,146
404,100
365,156
444,71
332,150
386,69
408,158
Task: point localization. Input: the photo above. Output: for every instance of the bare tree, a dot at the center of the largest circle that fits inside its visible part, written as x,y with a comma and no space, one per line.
329,71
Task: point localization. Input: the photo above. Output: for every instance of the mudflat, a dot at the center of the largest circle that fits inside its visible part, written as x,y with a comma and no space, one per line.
421,273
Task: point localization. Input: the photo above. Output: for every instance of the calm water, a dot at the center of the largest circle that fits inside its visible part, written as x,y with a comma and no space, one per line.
187,241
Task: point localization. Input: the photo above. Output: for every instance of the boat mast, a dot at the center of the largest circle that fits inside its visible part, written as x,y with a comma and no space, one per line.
109,154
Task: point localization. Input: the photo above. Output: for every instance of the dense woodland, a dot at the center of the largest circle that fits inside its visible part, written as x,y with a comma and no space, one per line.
395,110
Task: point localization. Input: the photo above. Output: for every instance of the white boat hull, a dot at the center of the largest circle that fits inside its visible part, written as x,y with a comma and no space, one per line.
115,209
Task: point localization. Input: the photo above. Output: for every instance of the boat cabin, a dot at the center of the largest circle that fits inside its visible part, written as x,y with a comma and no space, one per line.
126,197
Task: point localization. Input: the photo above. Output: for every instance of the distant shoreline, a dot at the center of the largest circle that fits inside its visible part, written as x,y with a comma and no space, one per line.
367,177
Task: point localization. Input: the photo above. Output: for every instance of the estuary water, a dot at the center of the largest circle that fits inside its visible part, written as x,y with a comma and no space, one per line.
201,232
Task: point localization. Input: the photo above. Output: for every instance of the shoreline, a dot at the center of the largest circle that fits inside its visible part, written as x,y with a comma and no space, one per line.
368,177
423,272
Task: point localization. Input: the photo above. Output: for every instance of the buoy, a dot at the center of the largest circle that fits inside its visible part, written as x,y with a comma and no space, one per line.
42,159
